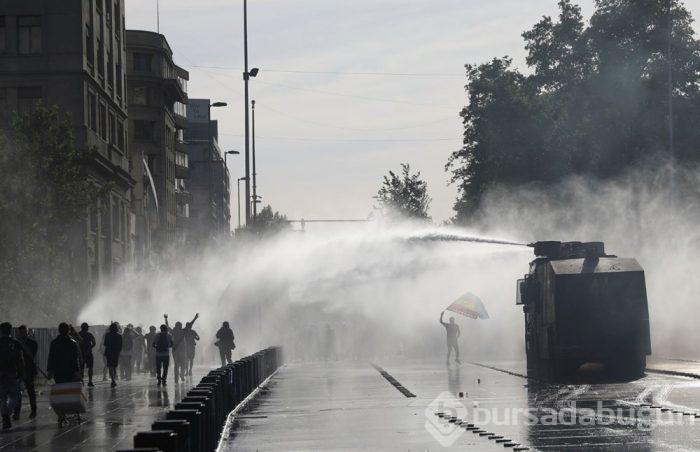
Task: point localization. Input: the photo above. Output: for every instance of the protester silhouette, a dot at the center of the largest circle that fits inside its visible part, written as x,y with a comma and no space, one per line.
191,338
64,360
125,356
225,343
179,348
150,350
139,347
113,348
87,343
162,343
453,333
11,373
29,351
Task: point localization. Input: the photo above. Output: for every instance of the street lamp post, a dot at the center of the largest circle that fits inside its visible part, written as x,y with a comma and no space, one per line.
226,155
255,174
239,201
246,76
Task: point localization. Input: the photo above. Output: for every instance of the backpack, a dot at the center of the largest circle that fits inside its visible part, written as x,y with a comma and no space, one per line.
9,355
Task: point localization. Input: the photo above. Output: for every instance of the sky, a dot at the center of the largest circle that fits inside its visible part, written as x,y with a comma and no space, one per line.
328,127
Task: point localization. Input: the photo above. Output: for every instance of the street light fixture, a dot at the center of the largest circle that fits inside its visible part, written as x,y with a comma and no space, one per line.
247,74
227,153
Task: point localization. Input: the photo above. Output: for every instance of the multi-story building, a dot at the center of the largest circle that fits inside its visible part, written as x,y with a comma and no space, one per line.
210,215
71,54
157,96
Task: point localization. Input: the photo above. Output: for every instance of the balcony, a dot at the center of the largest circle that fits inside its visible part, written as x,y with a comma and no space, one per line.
183,196
182,172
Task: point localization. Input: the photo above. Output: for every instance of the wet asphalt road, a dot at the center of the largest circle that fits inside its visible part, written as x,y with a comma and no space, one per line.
351,406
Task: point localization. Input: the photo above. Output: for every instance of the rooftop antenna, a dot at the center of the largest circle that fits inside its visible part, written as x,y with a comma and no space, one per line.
158,16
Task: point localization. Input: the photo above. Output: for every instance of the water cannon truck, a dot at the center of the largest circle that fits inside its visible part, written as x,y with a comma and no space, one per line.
584,309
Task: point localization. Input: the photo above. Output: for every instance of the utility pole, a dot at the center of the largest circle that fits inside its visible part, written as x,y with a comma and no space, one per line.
255,179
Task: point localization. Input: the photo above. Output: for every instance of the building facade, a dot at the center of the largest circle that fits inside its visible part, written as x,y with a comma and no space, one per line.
157,96
71,54
209,184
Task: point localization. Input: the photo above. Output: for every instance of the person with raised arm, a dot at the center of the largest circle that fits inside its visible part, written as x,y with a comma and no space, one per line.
453,333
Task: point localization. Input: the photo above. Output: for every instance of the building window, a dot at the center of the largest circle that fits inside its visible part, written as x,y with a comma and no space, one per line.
140,95
28,97
3,35
112,129
110,69
117,22
116,224
103,121
143,62
100,57
89,45
92,111
143,130
120,135
29,35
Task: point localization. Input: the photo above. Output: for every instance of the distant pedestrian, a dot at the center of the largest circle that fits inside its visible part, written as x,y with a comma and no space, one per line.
191,338
225,342
64,360
139,348
29,350
453,333
87,343
150,350
128,339
162,344
113,347
11,373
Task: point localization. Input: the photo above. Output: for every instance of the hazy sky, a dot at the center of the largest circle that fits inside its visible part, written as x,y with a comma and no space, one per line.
324,140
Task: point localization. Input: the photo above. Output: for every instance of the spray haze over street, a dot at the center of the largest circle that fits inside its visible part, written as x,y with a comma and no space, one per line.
368,225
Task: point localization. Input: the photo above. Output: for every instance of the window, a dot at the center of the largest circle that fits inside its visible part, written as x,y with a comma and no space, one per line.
117,22
89,44
112,129
92,111
140,95
110,69
143,130
143,62
180,109
152,161
3,35
120,135
3,107
103,121
27,99
100,56
29,35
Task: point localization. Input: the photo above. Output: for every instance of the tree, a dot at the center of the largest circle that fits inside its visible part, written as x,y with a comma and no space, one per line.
404,195
45,194
269,222
596,103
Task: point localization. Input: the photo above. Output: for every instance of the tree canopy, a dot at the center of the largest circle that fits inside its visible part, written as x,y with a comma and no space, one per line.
403,195
596,102
45,195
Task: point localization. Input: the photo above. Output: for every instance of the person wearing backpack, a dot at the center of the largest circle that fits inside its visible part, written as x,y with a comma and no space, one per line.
11,373
162,343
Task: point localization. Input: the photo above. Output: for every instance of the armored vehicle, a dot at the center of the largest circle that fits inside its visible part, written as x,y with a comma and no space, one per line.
584,307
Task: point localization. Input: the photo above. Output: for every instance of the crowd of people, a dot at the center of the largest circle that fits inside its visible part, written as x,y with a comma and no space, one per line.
124,351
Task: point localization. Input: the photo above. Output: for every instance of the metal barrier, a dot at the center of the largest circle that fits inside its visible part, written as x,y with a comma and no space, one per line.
196,423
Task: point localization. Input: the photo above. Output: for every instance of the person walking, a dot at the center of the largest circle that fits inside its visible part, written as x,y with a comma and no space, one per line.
87,343
139,347
11,373
453,333
29,351
191,338
64,360
150,350
162,344
225,342
128,339
113,347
